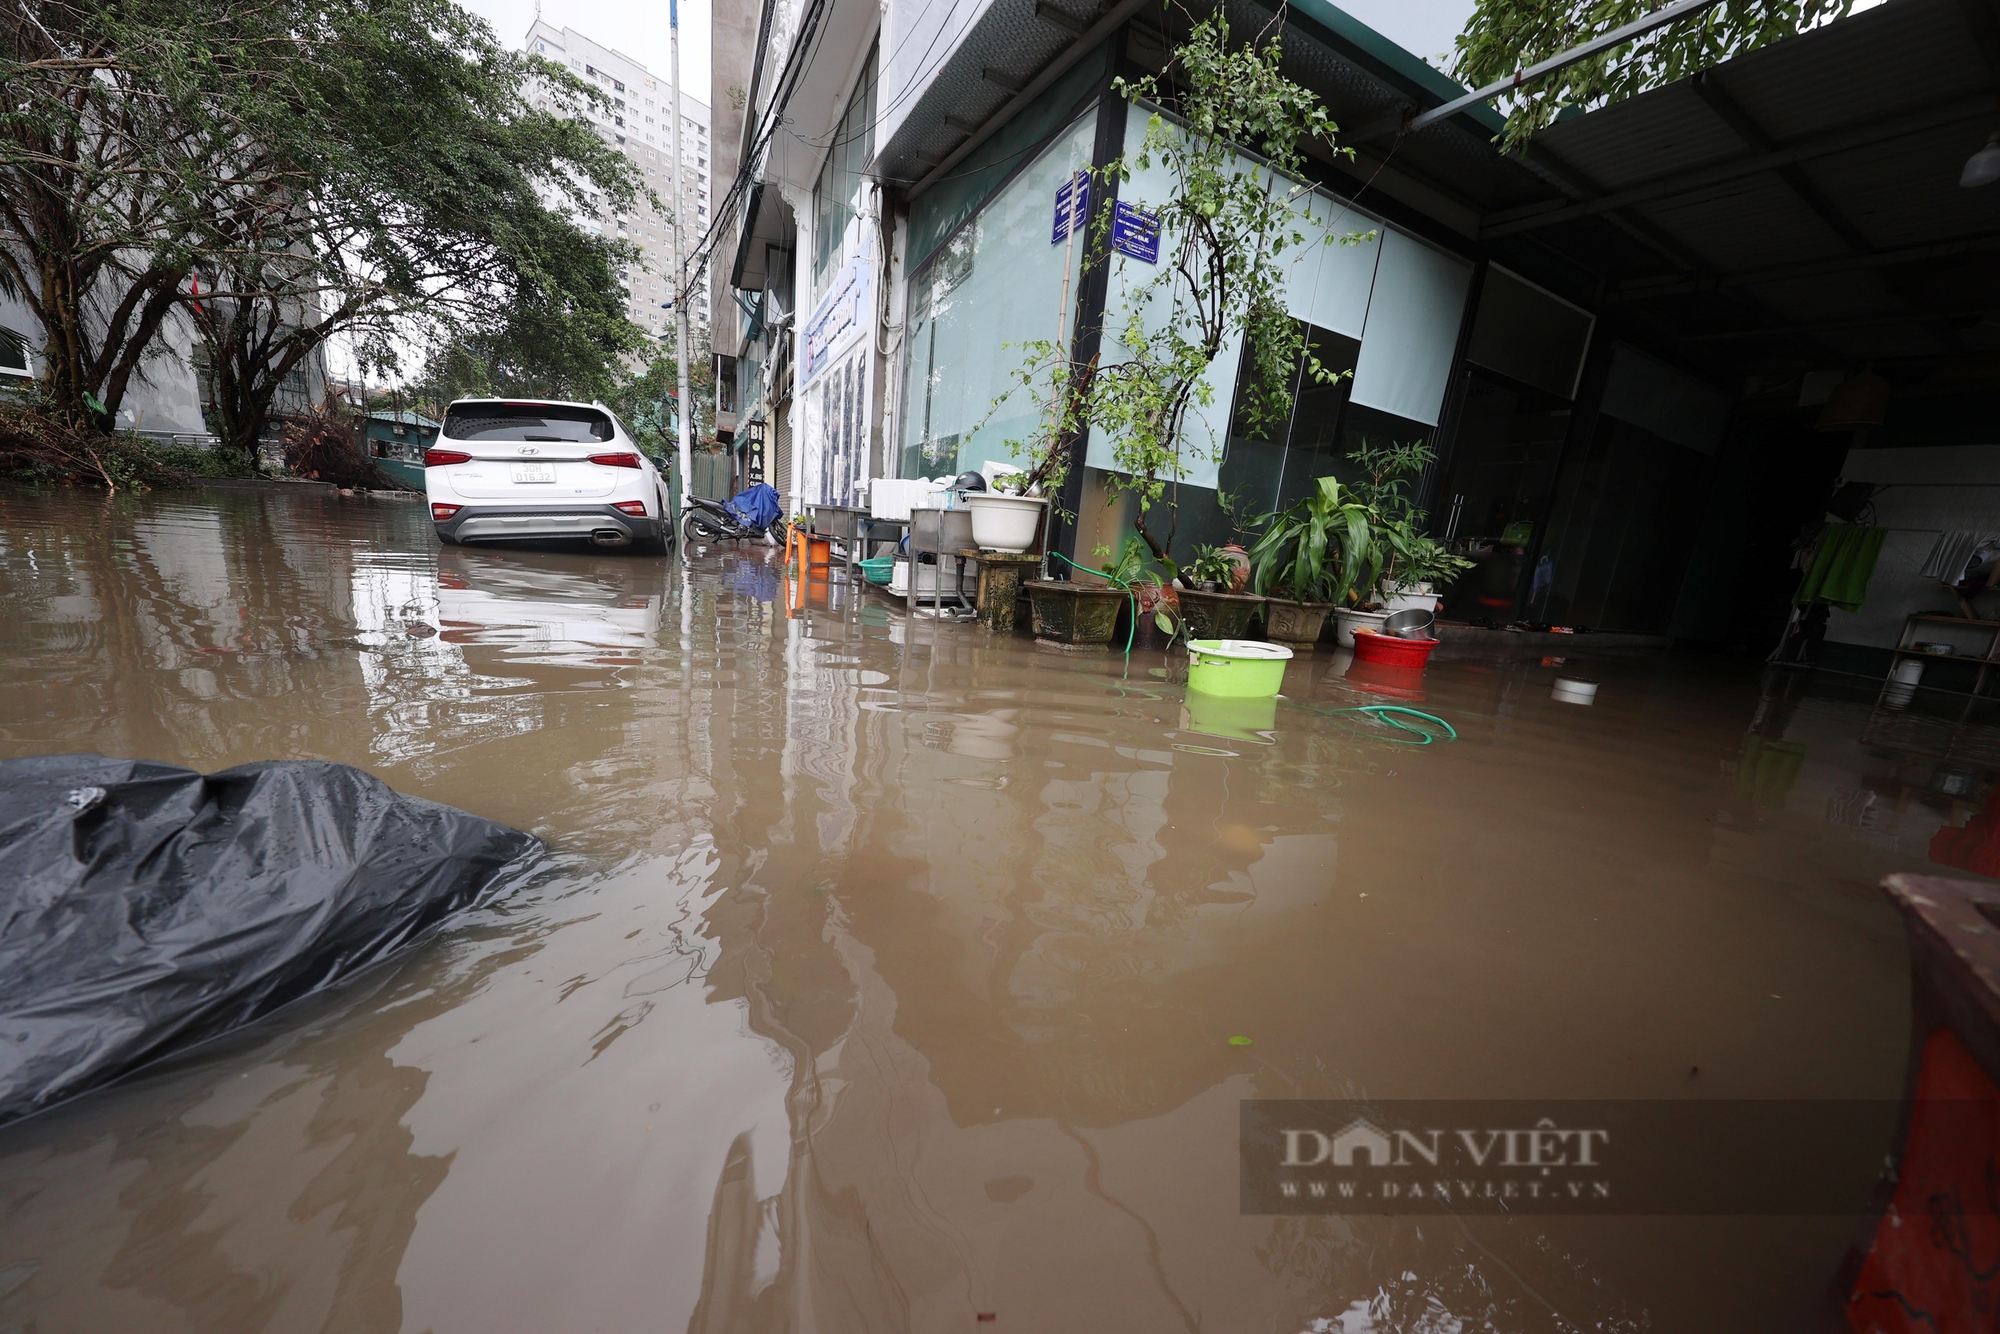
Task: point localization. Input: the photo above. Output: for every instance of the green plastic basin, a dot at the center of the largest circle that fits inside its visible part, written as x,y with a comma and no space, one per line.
1236,668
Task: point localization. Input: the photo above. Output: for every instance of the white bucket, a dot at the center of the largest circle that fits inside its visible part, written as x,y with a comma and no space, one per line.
1004,523
1903,678
1345,621
1569,690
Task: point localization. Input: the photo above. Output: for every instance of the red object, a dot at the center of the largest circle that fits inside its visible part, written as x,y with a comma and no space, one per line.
1974,846
1391,650
615,460
437,458
1929,1268
443,512
1380,679
636,508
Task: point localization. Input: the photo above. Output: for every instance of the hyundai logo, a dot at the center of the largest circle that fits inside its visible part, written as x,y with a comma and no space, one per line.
529,450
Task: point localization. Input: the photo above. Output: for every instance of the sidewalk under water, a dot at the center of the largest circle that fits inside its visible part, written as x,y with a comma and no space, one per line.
895,976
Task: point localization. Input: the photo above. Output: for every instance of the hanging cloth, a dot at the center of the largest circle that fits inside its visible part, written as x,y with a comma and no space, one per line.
1951,555
1842,566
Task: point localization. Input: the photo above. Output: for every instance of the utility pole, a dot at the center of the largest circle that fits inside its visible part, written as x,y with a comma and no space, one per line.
683,413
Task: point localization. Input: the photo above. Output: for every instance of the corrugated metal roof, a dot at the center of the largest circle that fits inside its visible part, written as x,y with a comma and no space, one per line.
1816,179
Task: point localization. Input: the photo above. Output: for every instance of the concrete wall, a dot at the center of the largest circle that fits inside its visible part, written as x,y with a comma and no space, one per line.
163,396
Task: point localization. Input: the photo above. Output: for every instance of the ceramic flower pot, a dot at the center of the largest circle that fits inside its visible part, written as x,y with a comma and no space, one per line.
1218,615
1005,523
1071,613
1294,622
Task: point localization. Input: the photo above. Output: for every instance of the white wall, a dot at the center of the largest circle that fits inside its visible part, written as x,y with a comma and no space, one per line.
1921,493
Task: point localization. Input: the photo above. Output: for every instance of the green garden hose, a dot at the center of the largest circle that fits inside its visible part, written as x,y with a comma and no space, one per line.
1131,629
1384,713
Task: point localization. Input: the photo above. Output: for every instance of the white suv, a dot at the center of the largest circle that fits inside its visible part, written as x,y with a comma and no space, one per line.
504,470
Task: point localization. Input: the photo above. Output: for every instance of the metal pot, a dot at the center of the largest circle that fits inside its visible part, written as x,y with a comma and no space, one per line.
1414,623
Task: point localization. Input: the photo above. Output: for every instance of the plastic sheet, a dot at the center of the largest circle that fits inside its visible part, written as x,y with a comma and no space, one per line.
145,907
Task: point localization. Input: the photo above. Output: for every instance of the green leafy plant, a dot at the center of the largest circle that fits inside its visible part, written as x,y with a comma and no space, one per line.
1505,36
1211,565
1324,548
1130,565
1385,476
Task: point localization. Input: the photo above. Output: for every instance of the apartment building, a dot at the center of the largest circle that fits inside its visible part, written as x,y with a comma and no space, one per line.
638,123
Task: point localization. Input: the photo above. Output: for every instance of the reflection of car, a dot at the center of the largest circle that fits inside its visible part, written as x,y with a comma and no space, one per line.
572,614
503,471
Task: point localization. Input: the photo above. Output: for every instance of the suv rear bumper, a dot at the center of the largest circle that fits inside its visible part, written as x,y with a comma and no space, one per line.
600,525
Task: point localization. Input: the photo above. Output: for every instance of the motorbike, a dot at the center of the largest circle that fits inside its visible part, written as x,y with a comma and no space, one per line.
752,513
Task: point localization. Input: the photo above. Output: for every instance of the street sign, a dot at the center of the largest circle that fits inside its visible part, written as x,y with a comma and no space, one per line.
1072,206
1136,232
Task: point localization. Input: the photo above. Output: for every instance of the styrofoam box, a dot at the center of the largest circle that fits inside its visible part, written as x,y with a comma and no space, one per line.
899,578
892,497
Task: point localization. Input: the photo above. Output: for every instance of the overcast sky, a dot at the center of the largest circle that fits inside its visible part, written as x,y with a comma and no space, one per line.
1426,27
636,27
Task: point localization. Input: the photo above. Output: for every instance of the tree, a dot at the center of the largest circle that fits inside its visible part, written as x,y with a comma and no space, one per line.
103,130
1508,35
1224,229
284,170
465,234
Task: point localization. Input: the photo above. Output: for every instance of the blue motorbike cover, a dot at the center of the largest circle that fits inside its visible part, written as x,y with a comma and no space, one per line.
756,507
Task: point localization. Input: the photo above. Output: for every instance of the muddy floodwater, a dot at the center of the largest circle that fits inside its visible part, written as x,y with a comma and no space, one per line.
890,976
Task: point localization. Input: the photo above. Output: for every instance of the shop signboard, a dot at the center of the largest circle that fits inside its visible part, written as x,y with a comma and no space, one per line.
841,315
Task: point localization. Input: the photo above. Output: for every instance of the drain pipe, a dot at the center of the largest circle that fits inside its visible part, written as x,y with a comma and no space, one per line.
1617,36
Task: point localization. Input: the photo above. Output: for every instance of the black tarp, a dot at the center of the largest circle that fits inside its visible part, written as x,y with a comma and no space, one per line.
145,907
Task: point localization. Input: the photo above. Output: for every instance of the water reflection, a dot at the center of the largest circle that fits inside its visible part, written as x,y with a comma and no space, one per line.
888,973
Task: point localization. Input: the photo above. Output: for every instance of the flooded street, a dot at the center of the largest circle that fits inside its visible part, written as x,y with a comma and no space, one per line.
894,977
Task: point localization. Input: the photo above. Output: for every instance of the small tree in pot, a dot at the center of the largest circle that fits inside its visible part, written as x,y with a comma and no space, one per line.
1409,564
1224,230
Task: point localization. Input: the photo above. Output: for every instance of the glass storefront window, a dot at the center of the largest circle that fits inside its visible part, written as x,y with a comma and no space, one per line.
1498,492
837,193
995,284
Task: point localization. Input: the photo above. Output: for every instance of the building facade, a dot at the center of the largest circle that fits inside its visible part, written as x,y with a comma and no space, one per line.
1617,352
637,122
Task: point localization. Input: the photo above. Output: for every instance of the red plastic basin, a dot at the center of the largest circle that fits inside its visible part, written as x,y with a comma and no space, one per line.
1390,650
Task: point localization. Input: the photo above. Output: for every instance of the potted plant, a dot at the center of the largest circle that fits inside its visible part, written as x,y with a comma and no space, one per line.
1075,614
1006,516
1312,557
1208,607
1413,569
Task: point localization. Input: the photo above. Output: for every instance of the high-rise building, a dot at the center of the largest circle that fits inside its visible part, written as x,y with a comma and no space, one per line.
637,123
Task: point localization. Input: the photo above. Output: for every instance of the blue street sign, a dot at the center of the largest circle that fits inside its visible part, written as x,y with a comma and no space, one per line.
1136,232
1072,206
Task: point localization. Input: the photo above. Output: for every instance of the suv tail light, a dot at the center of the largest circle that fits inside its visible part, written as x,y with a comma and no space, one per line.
615,460
437,458
440,513
635,508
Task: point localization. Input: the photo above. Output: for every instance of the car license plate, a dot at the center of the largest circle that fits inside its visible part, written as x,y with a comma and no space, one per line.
534,472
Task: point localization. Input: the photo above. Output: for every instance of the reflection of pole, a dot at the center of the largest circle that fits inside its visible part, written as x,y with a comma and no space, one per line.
682,413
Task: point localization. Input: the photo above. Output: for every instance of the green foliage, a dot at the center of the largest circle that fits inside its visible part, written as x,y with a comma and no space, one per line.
1130,567
1224,233
1211,564
314,167
1508,35
1324,548
1404,555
